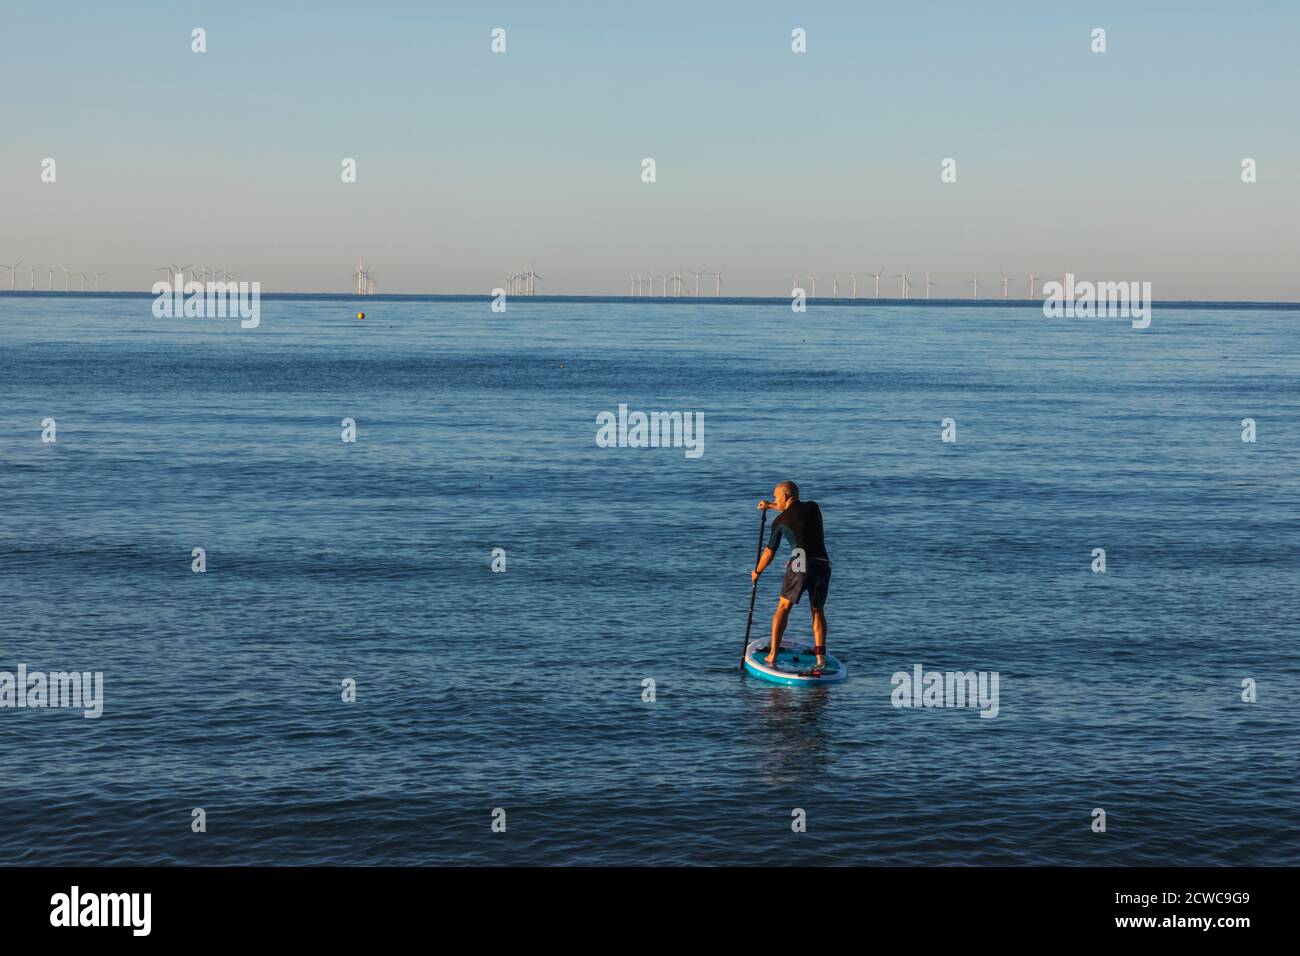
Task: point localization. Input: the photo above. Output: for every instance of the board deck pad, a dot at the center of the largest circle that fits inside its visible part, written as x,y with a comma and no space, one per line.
800,660
794,664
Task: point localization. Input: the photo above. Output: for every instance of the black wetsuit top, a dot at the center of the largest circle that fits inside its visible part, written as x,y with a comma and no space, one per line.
801,523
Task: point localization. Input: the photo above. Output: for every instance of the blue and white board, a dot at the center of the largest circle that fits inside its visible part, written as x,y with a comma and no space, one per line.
794,664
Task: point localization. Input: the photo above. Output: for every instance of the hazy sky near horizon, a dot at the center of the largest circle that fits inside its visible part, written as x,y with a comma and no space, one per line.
1122,165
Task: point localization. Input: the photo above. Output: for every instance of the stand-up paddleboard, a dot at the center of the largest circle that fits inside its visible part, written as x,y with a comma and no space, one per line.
795,664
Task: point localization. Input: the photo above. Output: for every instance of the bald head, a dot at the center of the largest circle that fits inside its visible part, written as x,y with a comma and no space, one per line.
785,493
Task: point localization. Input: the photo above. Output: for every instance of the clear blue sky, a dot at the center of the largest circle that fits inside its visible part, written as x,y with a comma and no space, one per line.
1119,165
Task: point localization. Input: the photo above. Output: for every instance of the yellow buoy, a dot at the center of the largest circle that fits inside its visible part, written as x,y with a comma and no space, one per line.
361,315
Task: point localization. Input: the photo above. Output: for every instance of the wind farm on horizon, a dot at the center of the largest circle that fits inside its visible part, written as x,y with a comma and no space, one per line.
672,284
68,275
200,274
669,284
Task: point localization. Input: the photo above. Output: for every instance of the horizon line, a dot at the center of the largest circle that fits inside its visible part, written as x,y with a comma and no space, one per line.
598,297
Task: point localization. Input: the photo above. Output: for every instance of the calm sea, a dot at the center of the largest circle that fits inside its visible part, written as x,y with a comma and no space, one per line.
371,561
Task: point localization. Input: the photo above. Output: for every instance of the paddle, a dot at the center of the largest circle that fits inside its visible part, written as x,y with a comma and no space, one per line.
753,591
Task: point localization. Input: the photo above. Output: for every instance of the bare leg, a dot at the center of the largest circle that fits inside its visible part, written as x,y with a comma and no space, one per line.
779,620
819,636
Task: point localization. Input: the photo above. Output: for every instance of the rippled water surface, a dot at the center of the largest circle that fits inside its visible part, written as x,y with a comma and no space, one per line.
523,690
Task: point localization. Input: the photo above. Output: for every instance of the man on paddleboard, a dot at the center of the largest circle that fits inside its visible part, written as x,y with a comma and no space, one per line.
809,567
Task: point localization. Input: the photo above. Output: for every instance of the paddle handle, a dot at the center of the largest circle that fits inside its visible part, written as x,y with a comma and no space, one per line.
753,591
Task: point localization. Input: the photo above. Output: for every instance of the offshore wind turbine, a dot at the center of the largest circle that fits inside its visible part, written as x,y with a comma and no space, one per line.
814,285
31,278
876,276
717,289
65,277
13,273
50,269
906,282
679,280
697,273
171,269
855,284
97,275
1006,279
836,293
1032,277
928,283
976,283
83,281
